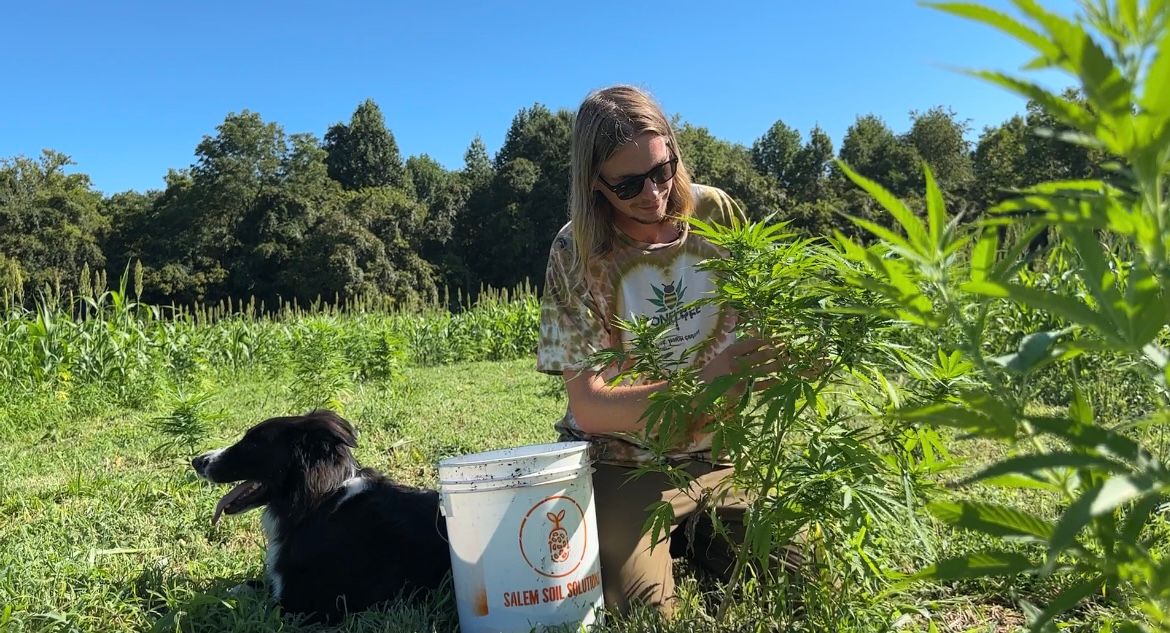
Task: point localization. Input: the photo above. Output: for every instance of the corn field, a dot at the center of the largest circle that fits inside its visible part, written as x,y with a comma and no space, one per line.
73,351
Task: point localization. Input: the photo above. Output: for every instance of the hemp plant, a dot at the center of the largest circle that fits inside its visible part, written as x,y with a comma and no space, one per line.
814,472
1106,540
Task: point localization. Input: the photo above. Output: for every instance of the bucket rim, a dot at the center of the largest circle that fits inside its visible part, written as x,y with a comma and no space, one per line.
527,451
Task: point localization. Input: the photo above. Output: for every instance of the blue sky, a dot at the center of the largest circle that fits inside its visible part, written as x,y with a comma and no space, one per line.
128,89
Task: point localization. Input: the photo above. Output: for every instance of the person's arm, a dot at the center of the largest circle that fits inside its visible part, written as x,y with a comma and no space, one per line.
601,408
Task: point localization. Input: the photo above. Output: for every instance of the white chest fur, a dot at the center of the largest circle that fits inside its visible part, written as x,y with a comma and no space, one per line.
271,534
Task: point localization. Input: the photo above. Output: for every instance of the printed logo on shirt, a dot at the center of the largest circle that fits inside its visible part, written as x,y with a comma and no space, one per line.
669,297
665,296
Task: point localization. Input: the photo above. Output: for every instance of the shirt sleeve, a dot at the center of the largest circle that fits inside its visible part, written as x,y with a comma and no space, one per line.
714,205
571,330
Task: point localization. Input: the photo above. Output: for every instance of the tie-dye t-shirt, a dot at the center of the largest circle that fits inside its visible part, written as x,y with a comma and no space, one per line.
655,281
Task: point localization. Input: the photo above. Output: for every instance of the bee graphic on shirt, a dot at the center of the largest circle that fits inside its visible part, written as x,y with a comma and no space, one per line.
669,297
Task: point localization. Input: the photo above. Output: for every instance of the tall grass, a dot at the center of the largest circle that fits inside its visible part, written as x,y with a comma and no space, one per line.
75,351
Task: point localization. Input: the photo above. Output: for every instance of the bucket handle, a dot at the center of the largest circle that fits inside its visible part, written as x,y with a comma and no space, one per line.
440,514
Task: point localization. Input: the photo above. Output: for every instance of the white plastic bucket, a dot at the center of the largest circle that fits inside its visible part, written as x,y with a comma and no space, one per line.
523,535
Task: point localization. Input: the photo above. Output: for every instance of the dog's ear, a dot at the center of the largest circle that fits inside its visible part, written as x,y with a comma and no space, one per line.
335,425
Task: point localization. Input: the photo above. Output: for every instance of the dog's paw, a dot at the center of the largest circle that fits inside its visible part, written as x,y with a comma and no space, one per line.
244,588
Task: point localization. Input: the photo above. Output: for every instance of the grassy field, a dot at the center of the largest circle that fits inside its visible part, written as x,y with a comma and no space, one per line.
100,531
104,527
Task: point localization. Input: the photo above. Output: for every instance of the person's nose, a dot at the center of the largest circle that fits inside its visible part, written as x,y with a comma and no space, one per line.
650,189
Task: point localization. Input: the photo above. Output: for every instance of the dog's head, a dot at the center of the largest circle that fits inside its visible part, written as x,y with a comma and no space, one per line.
280,456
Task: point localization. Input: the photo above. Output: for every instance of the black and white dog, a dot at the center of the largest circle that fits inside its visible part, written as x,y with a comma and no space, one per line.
340,537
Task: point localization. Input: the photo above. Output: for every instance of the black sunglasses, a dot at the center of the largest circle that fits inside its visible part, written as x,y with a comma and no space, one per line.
632,186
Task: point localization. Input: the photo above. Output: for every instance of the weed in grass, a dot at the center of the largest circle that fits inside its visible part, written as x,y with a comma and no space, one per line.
186,426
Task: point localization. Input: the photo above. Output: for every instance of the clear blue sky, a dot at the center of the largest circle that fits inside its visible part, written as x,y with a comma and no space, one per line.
128,89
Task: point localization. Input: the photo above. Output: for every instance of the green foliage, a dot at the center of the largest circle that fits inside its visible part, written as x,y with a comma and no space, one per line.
282,216
871,148
729,167
187,425
817,472
516,205
939,139
1111,303
364,153
51,224
774,153
109,348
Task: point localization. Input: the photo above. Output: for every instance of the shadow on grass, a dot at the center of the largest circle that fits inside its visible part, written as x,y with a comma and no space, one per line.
243,605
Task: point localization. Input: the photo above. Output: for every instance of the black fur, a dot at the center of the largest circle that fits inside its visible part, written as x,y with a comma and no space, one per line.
331,549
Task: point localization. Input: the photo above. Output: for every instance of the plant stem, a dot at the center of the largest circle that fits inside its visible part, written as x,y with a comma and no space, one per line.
769,481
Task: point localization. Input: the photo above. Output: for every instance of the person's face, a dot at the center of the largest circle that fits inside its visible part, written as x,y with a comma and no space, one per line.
632,160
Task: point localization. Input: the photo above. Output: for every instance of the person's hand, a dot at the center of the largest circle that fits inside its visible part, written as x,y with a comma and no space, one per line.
758,359
733,358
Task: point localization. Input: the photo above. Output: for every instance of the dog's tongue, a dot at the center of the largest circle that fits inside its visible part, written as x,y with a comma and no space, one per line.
235,494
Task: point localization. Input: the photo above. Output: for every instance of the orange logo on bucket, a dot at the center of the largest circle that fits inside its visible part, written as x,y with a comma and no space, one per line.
559,560
558,539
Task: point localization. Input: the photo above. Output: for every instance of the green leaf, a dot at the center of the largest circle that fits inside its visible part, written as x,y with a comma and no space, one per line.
998,20
1095,502
1155,99
1077,188
978,565
983,255
992,519
1094,438
1127,12
1066,600
1080,409
935,210
658,522
1098,277
1065,307
913,226
1079,54
1021,482
894,240
714,390
961,417
1137,517
1064,110
1147,303
1028,464
1034,349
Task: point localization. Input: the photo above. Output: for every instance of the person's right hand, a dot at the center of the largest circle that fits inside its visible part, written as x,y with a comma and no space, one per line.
762,359
747,354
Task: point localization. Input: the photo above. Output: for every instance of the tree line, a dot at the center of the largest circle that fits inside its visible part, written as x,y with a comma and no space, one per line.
275,216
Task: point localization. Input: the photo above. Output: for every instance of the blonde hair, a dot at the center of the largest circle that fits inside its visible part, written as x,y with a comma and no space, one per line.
608,119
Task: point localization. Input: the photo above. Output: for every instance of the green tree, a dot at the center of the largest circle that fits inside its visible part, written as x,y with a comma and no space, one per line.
274,231
457,261
998,161
729,166
774,154
51,223
510,224
368,248
129,214
1048,156
443,196
811,166
939,138
871,149
477,165
364,153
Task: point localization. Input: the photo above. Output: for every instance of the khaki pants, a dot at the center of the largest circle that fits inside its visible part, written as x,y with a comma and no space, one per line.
633,572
